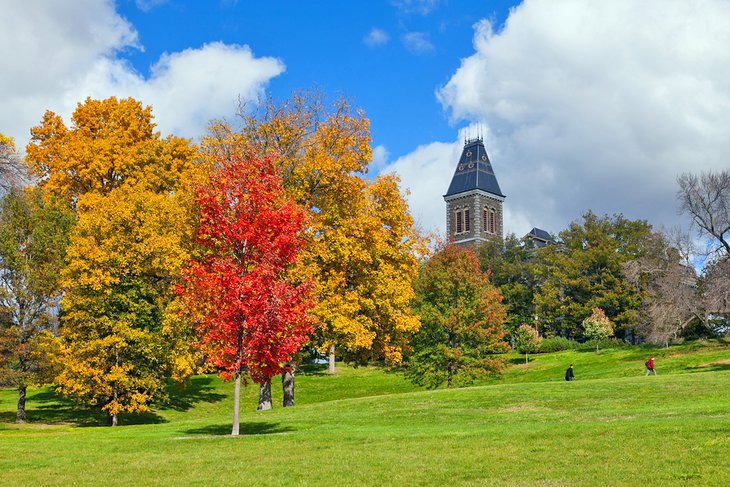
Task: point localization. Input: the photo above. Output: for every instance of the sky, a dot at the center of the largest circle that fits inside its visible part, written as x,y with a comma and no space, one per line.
582,105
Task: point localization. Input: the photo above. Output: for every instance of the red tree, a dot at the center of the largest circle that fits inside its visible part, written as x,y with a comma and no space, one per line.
251,317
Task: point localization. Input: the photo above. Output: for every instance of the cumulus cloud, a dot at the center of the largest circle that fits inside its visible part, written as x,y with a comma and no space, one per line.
426,173
417,42
598,105
380,157
376,37
56,54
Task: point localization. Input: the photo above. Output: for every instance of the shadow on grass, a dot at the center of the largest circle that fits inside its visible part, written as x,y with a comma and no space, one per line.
184,397
47,407
312,369
713,367
244,429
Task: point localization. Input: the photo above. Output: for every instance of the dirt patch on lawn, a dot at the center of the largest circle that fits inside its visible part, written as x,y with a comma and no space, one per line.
713,364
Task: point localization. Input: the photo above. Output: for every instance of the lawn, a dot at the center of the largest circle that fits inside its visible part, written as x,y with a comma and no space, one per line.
612,426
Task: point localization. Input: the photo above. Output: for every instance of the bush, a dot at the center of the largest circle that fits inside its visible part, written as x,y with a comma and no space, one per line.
603,343
557,344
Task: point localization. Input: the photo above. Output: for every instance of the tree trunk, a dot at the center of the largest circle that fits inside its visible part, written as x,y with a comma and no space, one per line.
20,418
526,360
596,347
448,379
264,396
114,421
331,367
287,385
236,404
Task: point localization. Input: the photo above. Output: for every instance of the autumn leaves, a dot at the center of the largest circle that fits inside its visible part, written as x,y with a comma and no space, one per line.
239,250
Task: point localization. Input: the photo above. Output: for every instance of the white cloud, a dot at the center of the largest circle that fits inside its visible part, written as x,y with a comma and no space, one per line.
426,173
55,54
380,157
417,42
376,37
597,105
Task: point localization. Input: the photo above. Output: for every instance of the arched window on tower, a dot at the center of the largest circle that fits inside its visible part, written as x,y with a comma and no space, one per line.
492,221
467,220
459,221
485,219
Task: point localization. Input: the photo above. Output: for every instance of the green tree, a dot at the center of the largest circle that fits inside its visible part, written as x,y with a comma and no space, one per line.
597,326
33,240
527,340
585,272
511,264
462,321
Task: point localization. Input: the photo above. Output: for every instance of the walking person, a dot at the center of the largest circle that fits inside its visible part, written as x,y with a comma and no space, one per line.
569,373
650,367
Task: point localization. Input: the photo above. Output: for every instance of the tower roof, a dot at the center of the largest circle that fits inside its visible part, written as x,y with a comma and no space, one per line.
474,171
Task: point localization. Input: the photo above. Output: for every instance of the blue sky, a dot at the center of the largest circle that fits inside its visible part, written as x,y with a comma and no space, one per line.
388,58
583,105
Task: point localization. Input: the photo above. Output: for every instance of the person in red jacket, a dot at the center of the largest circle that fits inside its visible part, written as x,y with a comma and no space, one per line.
650,367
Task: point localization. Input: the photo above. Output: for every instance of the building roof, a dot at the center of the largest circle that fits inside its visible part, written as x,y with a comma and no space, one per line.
541,234
474,171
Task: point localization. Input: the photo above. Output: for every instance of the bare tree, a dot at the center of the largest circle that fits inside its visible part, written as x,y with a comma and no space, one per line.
717,287
669,287
11,170
707,200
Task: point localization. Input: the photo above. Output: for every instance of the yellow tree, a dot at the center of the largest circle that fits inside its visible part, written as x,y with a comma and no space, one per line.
120,329
110,143
324,155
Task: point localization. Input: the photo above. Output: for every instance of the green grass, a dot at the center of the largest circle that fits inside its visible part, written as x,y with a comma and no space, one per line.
612,426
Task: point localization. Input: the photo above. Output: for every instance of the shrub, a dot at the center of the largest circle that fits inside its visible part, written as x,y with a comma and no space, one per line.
597,327
603,343
557,344
527,340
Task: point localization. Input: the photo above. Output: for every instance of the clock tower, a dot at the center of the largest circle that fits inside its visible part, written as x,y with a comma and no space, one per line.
474,199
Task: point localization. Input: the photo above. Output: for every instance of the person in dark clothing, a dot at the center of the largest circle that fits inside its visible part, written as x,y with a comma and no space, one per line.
569,373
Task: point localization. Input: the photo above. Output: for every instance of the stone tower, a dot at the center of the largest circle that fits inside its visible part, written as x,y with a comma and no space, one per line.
474,200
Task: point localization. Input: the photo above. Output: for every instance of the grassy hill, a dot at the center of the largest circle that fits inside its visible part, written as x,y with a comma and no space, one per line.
612,426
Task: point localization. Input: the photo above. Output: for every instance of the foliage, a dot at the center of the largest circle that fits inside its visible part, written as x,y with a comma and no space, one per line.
512,271
33,240
121,325
584,272
527,340
557,344
110,142
462,321
250,312
360,241
597,326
